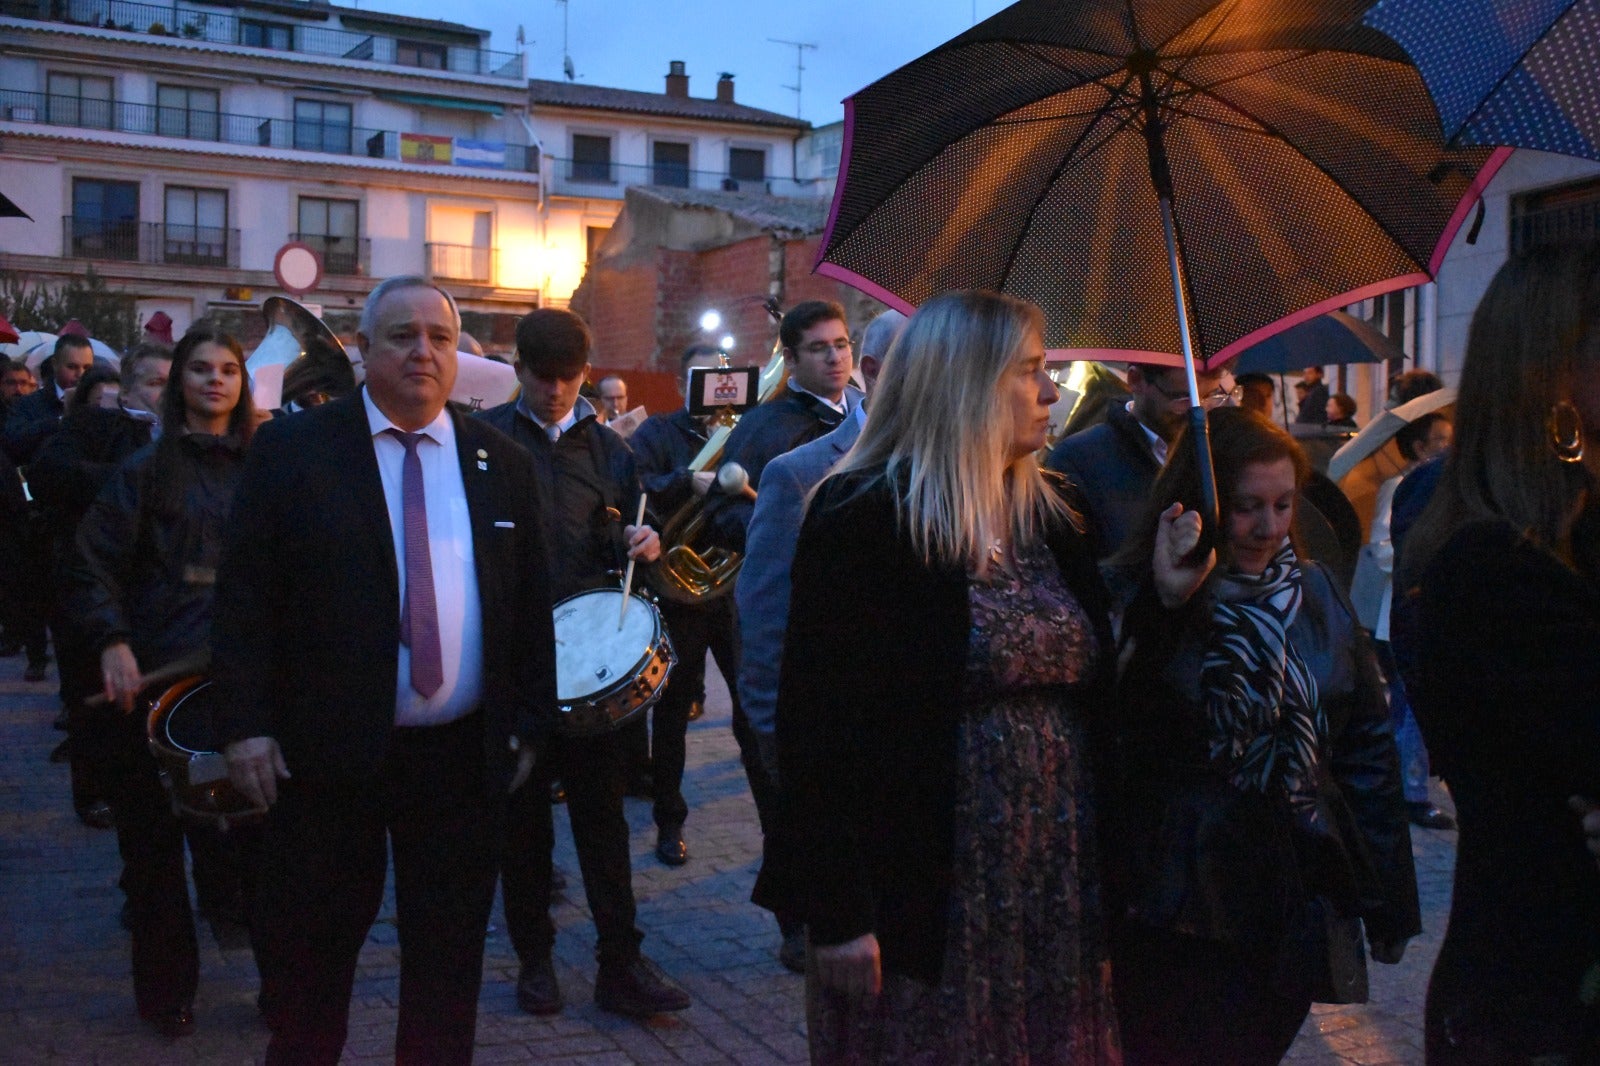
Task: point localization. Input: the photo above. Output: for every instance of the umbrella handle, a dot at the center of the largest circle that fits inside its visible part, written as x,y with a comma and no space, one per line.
1200,434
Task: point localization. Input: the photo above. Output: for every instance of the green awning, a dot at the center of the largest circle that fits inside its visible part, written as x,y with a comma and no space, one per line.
448,102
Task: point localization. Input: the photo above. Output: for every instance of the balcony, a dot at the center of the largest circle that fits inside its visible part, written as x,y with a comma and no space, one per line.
149,242
460,262
348,257
600,179
215,27
220,127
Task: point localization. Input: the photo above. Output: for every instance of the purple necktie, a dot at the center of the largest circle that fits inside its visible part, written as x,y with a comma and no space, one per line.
419,615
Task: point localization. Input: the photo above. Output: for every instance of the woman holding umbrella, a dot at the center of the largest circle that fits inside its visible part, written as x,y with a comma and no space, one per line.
1506,559
946,661
1256,820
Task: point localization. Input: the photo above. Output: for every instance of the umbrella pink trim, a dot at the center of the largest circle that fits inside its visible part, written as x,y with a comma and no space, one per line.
866,285
838,186
1486,173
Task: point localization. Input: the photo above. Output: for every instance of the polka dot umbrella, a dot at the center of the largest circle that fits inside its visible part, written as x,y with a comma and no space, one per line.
1524,73
1171,181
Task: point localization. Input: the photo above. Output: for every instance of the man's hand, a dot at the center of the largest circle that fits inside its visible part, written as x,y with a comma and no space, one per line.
119,672
524,767
1590,811
852,969
1177,535
644,543
254,767
1388,952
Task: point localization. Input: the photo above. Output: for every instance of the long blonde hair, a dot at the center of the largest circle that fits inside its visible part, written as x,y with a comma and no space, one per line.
939,429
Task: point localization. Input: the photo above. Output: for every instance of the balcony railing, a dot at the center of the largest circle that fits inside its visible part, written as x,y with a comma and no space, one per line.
149,242
334,138
460,262
582,177
216,27
341,256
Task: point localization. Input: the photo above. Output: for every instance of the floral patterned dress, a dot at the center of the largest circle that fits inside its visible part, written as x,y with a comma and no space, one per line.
1026,978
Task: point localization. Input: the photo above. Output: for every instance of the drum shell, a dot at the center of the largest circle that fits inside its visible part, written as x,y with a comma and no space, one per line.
196,778
639,685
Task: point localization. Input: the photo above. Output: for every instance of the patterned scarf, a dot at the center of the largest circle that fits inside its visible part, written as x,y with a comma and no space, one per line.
1267,727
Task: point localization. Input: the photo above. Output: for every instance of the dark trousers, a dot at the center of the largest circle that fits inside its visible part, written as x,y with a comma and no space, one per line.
1185,1001
166,967
694,630
324,856
592,772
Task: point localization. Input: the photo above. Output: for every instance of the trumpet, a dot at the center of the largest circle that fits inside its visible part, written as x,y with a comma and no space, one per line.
689,571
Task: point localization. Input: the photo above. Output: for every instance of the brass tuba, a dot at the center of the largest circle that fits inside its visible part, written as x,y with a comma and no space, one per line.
304,345
686,573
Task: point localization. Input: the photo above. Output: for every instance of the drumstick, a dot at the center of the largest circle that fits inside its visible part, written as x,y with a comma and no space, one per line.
627,582
195,663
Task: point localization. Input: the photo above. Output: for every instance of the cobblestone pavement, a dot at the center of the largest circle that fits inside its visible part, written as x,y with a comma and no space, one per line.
66,997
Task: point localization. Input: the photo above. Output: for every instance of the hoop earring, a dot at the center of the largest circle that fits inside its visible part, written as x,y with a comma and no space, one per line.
1565,427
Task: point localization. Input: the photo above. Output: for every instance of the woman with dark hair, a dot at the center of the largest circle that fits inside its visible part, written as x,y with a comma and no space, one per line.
1256,820
1504,564
141,586
945,663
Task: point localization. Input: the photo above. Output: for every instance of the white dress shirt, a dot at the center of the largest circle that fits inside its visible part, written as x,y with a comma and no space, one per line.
1158,446
455,574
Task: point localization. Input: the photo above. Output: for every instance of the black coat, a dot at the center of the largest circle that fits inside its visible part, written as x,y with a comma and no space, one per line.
587,470
1508,642
869,699
777,426
31,421
1112,469
144,565
663,447
307,634
74,464
1193,854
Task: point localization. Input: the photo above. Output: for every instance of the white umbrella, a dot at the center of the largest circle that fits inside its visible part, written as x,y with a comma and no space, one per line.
1377,432
33,346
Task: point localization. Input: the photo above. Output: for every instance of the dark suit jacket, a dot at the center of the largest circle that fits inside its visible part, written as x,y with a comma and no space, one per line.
307,632
1113,469
31,421
869,701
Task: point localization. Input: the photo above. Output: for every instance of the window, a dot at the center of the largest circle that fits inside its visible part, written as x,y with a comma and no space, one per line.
266,35
747,164
591,158
595,236
671,164
322,127
421,54
197,227
1562,215
185,112
333,229
79,100
105,219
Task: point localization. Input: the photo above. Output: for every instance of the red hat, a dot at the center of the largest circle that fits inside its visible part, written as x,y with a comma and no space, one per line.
73,328
160,328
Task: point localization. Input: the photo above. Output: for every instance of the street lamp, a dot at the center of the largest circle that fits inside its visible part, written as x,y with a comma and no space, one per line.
711,321
727,343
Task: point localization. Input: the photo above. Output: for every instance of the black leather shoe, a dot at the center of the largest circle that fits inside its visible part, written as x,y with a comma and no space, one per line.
558,794
537,990
37,671
62,752
697,710
792,952
637,989
9,647
98,815
171,1023
670,847
1428,816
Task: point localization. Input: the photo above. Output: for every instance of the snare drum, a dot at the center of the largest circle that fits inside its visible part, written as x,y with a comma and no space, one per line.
182,737
607,674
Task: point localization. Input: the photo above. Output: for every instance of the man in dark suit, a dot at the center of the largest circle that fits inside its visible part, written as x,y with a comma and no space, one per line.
587,482
818,357
762,591
32,419
384,651
1114,465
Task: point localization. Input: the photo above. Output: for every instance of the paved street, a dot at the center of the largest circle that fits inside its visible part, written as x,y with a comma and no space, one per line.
65,994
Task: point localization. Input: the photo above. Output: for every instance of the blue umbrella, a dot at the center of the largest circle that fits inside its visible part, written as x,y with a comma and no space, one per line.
1516,73
1331,339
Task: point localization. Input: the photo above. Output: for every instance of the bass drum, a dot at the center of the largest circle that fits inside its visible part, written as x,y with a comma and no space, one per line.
610,669
183,738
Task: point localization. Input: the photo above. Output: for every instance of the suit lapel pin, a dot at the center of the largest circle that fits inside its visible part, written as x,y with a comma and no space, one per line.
482,455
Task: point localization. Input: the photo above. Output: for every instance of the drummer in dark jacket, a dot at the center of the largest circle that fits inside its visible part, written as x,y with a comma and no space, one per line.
590,489
140,585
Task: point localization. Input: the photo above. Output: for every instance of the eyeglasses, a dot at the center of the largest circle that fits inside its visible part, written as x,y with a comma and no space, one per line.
823,347
1218,397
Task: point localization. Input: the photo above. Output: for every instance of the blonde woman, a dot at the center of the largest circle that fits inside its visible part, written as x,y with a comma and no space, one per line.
945,657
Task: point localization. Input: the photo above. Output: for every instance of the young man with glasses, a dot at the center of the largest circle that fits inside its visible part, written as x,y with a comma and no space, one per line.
1113,465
